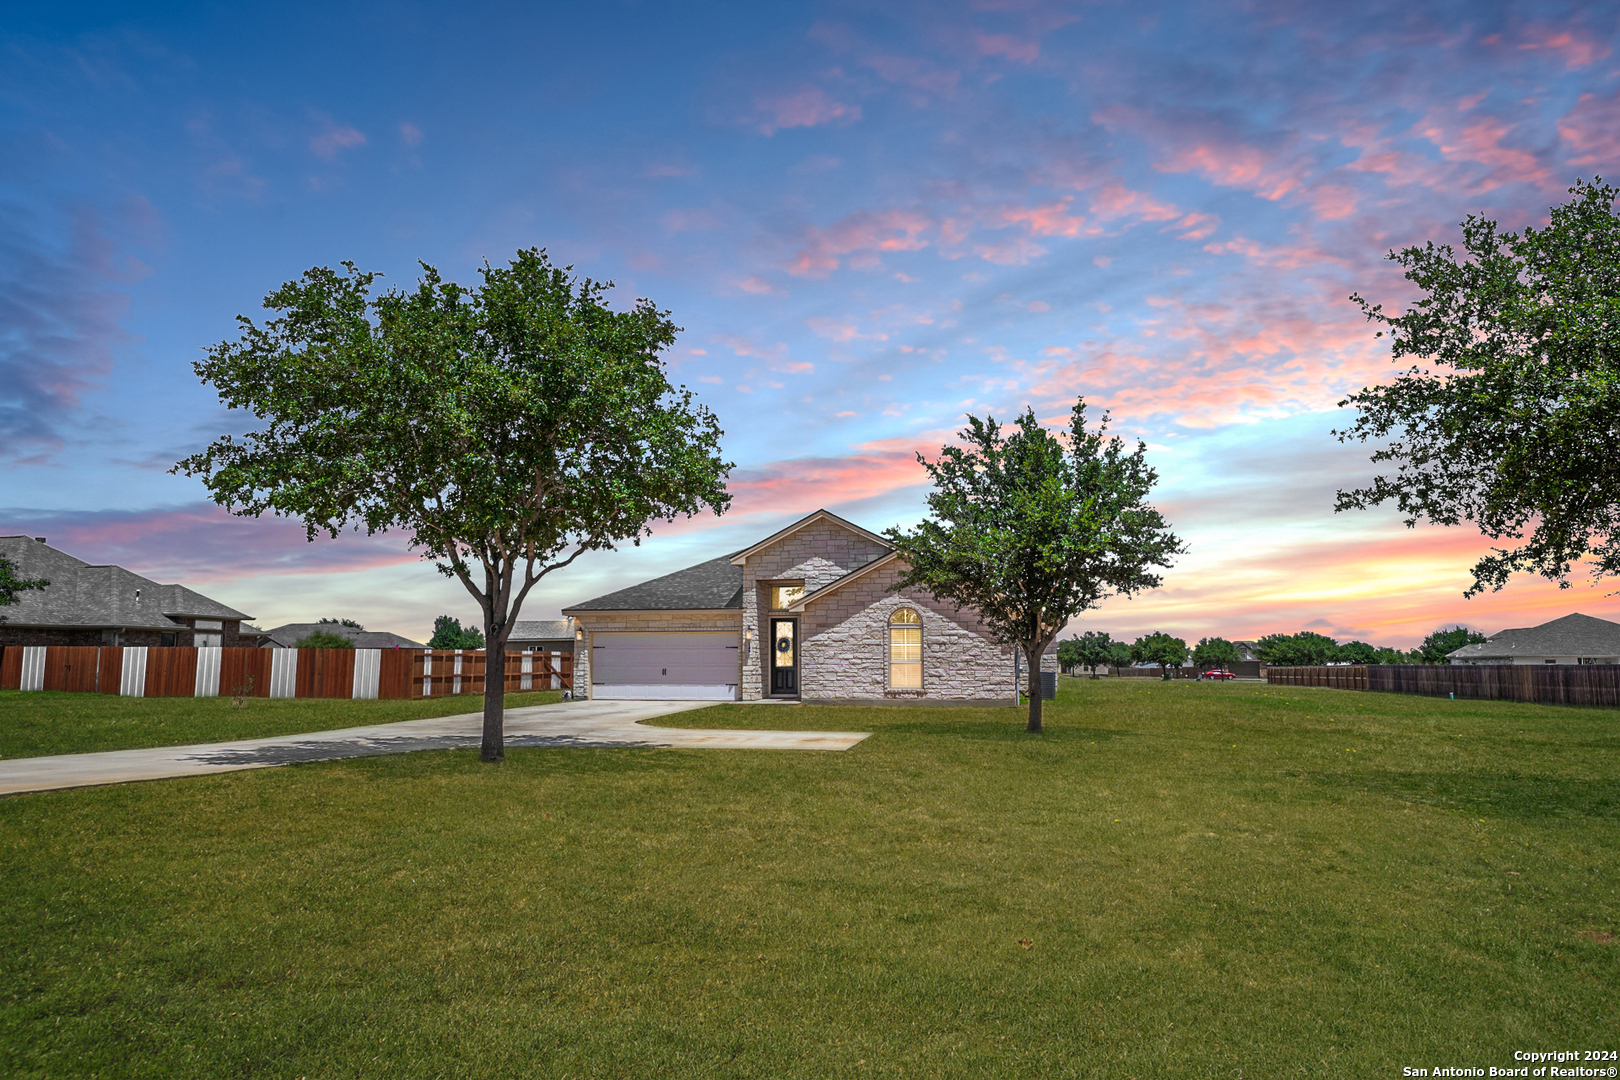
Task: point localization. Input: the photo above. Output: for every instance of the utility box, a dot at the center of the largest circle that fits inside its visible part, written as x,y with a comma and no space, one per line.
1048,685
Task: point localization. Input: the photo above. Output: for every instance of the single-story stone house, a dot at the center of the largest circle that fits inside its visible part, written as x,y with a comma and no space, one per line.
804,614
108,605
1574,639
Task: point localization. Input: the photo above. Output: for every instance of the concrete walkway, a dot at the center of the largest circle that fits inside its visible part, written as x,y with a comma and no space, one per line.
568,723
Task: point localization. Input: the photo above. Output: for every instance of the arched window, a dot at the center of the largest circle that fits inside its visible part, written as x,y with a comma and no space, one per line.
905,650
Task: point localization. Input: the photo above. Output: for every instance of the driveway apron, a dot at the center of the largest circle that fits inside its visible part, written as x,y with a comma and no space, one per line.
569,723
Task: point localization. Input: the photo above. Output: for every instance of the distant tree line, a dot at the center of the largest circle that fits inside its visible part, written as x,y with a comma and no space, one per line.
1096,649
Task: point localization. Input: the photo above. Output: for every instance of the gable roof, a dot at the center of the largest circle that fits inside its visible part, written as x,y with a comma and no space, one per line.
288,635
542,630
820,515
709,586
82,595
838,583
1573,635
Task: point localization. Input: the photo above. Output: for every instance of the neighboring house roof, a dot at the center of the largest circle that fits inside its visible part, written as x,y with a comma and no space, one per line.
820,515
542,630
285,637
709,586
84,595
1574,635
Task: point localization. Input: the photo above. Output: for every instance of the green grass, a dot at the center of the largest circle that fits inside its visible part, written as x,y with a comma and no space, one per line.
37,723
1216,881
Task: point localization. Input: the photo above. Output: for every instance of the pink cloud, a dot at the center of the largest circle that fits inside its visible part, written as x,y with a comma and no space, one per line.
410,133
1234,165
810,107
914,73
201,543
1013,251
1482,142
841,331
1576,50
1051,219
744,346
334,138
865,232
1592,129
1023,52
757,285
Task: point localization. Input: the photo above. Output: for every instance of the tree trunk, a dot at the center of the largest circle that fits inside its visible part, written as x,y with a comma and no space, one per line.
1032,655
494,744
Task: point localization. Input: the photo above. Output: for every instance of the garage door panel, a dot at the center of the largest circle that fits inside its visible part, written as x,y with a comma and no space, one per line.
698,665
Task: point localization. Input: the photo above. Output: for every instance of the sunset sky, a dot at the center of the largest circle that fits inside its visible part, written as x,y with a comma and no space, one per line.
869,219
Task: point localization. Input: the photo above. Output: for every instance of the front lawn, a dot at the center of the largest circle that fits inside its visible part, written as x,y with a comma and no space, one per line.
1176,880
36,722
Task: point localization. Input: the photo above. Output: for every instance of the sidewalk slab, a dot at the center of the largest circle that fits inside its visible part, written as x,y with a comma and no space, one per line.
568,723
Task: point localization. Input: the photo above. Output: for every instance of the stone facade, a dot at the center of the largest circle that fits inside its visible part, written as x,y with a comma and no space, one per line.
845,646
594,622
816,555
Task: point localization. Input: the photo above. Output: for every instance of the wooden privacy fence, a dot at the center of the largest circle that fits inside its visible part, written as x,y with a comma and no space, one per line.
179,671
1542,684
1339,677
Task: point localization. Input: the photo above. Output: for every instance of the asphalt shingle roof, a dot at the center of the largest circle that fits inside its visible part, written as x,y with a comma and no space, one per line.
80,594
287,636
1574,635
541,630
708,586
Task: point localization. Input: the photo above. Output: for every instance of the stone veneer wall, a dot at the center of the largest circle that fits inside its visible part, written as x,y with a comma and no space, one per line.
636,621
816,554
844,643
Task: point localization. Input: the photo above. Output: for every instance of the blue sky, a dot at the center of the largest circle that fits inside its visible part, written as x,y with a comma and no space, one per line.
869,220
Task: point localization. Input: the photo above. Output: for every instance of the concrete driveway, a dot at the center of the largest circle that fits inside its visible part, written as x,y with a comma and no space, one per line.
568,723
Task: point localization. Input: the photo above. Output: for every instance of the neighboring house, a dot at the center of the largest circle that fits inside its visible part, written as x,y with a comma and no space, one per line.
1246,653
108,605
1574,639
288,636
805,614
542,635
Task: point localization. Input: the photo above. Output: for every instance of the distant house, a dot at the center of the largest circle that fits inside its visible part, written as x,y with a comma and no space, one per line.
288,636
108,605
1574,639
542,635
1246,651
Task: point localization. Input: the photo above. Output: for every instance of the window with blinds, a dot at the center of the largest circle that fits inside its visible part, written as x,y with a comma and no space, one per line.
905,650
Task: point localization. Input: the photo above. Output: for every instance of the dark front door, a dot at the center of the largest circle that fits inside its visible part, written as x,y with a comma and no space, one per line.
784,656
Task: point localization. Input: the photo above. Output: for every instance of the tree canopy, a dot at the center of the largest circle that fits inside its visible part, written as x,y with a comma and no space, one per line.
1028,530
1510,415
1304,649
1438,645
1215,652
323,639
11,584
506,429
1159,648
448,633
1092,650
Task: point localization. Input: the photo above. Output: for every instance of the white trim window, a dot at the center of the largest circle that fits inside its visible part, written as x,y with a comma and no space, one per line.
905,650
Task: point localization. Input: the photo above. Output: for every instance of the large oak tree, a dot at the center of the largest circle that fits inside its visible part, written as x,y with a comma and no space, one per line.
1509,416
507,428
1028,530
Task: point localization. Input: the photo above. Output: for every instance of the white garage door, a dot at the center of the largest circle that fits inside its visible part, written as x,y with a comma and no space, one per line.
695,666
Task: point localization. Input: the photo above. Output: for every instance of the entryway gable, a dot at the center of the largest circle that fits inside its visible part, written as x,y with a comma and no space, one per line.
820,517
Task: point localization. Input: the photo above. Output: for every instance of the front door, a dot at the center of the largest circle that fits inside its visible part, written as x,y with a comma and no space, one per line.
784,657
